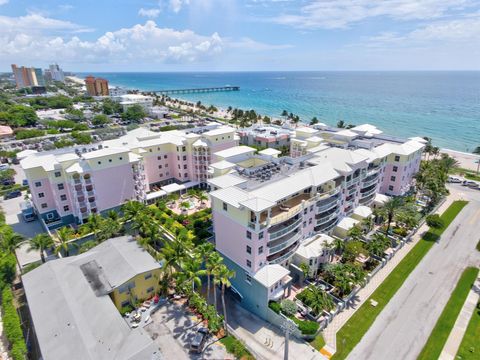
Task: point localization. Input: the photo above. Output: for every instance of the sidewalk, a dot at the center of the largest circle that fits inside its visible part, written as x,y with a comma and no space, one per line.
330,332
456,335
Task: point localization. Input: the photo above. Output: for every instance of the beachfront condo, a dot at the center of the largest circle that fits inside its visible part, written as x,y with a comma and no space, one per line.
265,136
68,185
266,209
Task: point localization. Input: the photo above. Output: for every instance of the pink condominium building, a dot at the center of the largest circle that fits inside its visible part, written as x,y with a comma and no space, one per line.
264,207
69,185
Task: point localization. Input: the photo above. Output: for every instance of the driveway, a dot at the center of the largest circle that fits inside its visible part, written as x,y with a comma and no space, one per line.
266,340
403,327
173,328
13,217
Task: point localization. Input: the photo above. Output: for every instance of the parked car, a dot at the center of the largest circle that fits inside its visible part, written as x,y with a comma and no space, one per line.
12,194
199,340
4,167
24,182
454,180
469,183
8,182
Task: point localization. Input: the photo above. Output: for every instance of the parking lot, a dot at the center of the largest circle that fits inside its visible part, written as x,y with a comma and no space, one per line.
173,328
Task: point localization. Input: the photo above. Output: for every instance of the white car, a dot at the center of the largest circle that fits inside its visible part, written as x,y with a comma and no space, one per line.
455,180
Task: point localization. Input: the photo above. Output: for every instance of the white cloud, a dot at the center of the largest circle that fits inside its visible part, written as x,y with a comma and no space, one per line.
150,13
250,44
336,14
3,2
35,39
176,5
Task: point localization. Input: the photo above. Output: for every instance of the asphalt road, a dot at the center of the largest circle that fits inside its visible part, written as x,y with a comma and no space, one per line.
403,327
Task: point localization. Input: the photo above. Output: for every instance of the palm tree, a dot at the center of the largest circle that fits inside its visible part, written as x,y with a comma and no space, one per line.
41,242
477,151
338,244
131,208
64,235
319,300
184,205
341,124
314,121
203,197
223,277
205,252
191,271
10,241
390,208
355,233
94,224
112,214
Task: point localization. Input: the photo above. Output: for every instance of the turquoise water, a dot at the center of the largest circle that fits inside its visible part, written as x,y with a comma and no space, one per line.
442,105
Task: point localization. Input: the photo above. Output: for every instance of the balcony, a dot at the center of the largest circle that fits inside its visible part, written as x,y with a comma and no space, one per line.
368,183
324,219
286,241
90,193
286,228
368,193
373,171
288,209
78,187
257,226
327,226
88,181
285,255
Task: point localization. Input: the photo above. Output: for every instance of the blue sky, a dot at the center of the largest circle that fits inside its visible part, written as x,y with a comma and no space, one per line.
243,35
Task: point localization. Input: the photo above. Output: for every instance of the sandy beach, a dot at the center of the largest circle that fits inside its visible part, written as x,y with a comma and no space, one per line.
466,160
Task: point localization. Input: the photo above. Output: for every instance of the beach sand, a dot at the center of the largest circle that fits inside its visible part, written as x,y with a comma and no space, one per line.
466,160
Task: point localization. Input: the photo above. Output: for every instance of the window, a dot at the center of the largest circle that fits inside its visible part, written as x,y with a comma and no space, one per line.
249,263
150,150
58,174
99,163
309,221
159,158
109,160
304,224
311,208
178,157
392,178
159,166
184,148
260,236
148,276
248,278
41,195
390,188
166,165
120,158
179,167
161,175
249,234
38,183
305,211
249,249
60,186
310,262
63,197
185,175
184,158
150,289
50,216
185,167
397,158
225,206
44,206
66,208
165,156
395,168
260,250
126,287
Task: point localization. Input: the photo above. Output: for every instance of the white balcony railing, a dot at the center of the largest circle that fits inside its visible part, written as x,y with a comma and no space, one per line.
274,249
276,234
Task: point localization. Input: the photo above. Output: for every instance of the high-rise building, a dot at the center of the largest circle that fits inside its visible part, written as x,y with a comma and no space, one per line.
96,86
56,73
25,77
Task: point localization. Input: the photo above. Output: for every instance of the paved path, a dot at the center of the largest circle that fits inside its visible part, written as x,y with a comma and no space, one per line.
265,340
458,331
402,328
329,334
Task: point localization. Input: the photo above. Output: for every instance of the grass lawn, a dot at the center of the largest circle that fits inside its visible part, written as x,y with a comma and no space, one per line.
470,348
445,322
354,329
236,348
318,342
468,174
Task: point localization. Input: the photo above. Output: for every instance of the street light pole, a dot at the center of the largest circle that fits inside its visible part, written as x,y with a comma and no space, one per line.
288,327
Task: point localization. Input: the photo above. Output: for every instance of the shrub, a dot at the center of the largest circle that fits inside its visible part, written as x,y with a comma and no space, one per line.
126,309
12,326
27,134
7,269
288,307
275,306
308,327
435,221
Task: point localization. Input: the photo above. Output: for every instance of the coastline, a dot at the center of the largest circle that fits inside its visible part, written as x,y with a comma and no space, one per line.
466,160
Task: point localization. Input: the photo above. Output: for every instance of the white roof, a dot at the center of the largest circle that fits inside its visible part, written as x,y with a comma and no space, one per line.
347,223
370,155
104,152
368,128
270,274
219,131
222,165
156,194
307,129
200,142
173,187
270,152
24,153
407,148
419,139
314,246
347,133
225,181
341,159
363,211
381,198
233,151
382,150
257,204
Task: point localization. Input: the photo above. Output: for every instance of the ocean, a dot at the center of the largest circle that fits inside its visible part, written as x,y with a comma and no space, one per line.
442,105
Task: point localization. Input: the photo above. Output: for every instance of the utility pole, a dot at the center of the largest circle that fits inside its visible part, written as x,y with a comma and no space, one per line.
288,327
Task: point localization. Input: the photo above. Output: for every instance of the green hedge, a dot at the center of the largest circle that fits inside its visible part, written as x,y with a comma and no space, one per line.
236,348
12,326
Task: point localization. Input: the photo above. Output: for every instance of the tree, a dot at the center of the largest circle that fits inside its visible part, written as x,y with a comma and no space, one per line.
19,115
305,269
341,124
289,308
41,242
285,113
64,235
435,221
355,233
378,244
10,241
191,272
314,121
338,244
213,265
352,250
477,151
134,113
131,208
223,277
100,119
390,208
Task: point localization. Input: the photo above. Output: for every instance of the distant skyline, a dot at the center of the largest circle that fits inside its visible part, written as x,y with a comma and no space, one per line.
235,35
